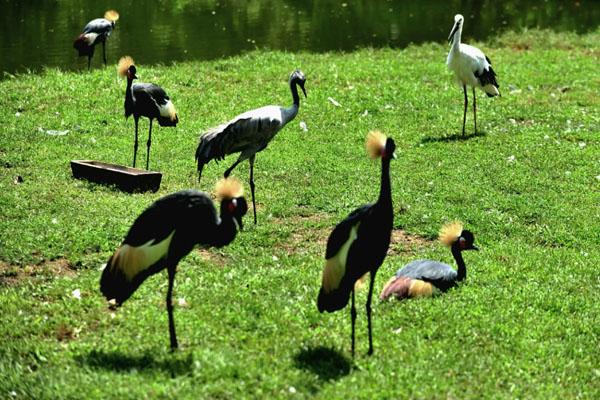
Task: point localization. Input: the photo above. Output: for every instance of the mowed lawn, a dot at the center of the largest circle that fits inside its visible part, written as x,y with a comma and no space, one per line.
525,324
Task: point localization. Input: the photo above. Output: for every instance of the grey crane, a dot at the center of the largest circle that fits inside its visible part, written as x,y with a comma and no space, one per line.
248,133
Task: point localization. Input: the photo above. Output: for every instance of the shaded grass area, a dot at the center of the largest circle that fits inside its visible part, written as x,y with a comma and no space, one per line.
525,323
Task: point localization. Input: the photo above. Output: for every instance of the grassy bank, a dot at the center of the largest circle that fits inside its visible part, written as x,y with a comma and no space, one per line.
525,324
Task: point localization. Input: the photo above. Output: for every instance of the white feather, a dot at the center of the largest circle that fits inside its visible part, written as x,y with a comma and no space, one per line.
134,259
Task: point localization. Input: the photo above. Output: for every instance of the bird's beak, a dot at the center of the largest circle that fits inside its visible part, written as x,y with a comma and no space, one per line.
473,247
238,219
451,37
303,91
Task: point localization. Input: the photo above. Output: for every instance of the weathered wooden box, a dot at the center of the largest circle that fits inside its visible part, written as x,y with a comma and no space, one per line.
125,178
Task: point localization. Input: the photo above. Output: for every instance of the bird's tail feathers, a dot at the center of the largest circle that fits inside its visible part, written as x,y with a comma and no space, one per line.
124,63
168,115
403,287
114,283
111,15
210,146
332,301
491,90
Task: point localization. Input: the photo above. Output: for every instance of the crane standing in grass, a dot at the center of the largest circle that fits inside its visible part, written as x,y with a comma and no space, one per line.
358,245
248,133
145,100
471,68
165,233
424,277
96,31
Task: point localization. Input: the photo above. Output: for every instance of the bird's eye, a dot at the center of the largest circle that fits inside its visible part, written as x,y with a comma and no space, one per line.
232,206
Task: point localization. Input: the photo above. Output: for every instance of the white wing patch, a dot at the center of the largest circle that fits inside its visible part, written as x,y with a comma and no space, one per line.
167,110
335,266
90,38
131,260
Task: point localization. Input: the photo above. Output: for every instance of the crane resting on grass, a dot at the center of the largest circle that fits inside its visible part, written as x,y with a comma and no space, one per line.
425,277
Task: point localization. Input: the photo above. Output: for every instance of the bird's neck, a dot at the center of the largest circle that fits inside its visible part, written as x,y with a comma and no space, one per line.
462,268
128,91
291,112
456,39
295,96
385,190
226,231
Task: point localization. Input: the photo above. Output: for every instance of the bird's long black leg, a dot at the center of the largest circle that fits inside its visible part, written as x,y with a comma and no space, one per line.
353,318
148,143
135,143
104,52
465,112
474,111
172,335
89,61
228,171
251,160
369,313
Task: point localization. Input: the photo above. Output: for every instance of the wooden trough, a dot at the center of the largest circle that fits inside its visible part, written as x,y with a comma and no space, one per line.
125,178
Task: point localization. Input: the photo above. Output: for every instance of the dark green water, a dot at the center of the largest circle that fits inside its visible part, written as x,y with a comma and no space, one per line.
37,33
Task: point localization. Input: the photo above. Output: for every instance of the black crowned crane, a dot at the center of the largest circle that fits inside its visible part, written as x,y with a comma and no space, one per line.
145,100
165,233
96,31
471,68
248,133
426,277
359,244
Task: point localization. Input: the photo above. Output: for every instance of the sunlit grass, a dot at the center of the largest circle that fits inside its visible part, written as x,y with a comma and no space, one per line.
525,324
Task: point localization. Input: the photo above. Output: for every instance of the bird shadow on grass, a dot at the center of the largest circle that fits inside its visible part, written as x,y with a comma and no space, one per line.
456,137
327,364
174,364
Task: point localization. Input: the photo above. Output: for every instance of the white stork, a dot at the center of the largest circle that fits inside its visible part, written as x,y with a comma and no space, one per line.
471,67
248,133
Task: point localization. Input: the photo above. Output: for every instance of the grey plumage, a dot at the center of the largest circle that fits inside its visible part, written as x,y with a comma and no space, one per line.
248,133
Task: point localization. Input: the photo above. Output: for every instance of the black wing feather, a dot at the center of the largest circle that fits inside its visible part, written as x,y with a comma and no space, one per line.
341,232
169,213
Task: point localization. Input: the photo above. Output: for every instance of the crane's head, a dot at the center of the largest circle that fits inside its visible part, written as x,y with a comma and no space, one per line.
126,68
458,22
112,16
297,77
453,235
378,145
233,203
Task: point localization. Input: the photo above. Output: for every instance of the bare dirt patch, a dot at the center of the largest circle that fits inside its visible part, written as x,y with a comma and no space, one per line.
403,242
13,274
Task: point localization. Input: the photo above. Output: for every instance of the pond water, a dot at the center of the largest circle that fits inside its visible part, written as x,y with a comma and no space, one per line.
36,33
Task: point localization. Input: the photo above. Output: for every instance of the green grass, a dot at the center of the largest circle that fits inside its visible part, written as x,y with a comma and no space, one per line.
526,324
